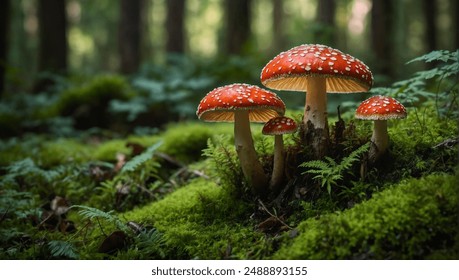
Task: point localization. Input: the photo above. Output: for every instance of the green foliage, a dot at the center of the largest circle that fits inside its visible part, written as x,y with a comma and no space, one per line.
92,213
224,163
139,160
15,208
174,89
437,85
62,249
328,171
88,103
410,220
28,170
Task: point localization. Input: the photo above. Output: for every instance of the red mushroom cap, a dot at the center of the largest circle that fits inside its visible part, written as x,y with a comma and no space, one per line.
380,108
289,70
219,104
279,125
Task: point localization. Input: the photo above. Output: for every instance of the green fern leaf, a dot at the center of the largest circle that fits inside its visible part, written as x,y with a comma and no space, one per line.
62,249
93,213
138,160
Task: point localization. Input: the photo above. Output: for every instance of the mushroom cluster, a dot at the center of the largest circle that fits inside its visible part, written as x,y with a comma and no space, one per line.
311,68
242,104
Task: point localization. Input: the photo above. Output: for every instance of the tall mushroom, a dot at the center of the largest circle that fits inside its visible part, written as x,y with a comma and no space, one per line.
278,126
316,69
379,109
242,104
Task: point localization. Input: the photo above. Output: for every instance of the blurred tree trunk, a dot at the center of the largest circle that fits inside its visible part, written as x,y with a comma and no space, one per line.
381,34
53,47
238,19
430,14
325,17
129,35
278,26
4,31
175,26
456,23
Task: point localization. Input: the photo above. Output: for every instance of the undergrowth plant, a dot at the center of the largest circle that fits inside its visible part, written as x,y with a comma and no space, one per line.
224,165
147,242
328,172
438,84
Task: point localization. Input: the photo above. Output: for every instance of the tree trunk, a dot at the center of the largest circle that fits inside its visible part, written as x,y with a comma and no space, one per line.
4,31
175,26
430,14
381,34
129,35
238,18
278,26
325,17
456,24
53,39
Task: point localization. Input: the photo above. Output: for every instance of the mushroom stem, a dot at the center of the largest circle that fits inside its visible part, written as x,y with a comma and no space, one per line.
315,124
251,166
315,109
380,140
278,166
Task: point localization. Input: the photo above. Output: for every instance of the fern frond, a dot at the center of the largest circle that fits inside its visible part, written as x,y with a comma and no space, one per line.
316,164
62,249
328,172
138,160
27,167
151,241
93,213
347,162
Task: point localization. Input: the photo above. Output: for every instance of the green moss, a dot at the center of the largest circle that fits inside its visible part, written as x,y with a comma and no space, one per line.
63,151
185,141
45,152
88,103
200,221
108,150
411,220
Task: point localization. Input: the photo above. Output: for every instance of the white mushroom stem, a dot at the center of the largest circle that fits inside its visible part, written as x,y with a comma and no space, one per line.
315,124
278,167
380,140
251,166
315,109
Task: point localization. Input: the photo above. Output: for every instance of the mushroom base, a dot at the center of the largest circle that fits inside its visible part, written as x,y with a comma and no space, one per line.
317,139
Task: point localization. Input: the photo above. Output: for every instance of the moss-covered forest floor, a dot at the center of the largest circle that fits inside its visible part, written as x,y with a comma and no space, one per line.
178,192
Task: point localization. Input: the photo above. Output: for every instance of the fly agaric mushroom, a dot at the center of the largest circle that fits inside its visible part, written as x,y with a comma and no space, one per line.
316,69
380,109
242,104
278,126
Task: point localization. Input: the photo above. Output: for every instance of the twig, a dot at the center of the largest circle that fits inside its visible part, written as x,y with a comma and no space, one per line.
274,216
449,143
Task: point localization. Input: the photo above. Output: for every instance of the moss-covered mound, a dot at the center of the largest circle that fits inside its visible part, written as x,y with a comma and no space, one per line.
200,221
416,218
413,219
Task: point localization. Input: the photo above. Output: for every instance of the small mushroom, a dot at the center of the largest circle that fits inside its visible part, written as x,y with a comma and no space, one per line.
278,126
242,104
379,109
316,69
